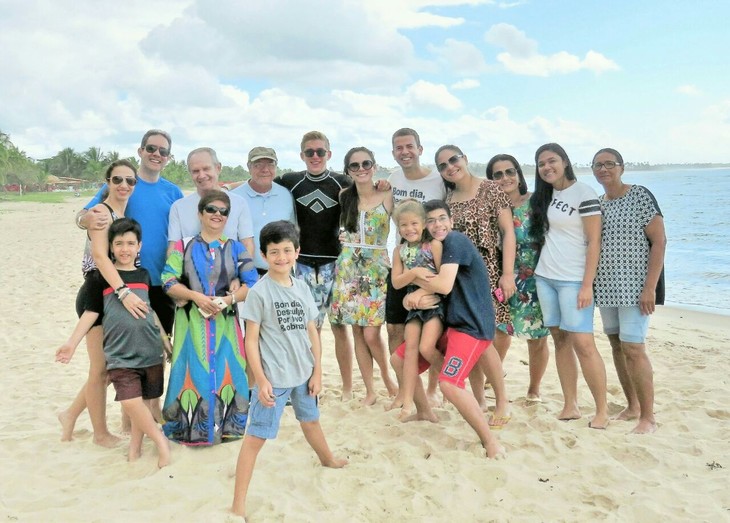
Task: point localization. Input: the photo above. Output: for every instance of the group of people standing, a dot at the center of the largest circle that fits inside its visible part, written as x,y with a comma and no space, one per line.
477,261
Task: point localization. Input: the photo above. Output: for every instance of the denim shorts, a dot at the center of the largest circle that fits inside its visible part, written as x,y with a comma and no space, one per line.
559,304
263,422
628,322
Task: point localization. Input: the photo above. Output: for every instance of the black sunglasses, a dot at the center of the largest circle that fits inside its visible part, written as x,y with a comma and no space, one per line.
453,161
164,151
212,209
117,180
498,175
355,166
319,152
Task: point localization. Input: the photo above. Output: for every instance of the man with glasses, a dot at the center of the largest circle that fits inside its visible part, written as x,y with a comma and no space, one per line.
267,201
150,205
316,193
204,169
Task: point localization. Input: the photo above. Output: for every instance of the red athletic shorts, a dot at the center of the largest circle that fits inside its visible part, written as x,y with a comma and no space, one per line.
461,353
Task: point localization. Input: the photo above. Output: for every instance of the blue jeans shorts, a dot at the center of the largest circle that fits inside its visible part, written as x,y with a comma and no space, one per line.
559,303
628,322
263,422
320,280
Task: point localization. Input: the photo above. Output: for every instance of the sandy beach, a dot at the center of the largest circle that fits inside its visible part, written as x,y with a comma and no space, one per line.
553,471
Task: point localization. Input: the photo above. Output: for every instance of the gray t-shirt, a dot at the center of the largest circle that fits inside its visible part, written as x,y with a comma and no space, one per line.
185,222
282,314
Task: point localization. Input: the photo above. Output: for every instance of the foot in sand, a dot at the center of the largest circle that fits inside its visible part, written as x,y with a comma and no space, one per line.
346,394
392,388
495,450
334,463
569,414
133,454
421,416
498,422
627,415
532,398
369,399
107,440
67,426
598,423
645,427
164,455
435,399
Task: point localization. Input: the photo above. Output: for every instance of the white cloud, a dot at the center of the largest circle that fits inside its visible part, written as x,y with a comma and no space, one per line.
689,90
459,57
414,14
424,93
466,83
521,55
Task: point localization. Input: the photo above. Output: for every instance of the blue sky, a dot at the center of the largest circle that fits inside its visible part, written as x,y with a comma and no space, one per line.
648,78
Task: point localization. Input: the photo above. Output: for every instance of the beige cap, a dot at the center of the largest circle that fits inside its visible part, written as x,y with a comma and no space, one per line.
258,153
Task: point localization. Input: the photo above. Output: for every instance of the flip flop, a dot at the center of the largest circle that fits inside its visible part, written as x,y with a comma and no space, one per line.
498,422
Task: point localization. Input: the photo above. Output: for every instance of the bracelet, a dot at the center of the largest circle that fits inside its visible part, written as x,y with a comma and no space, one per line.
78,222
124,294
122,286
233,299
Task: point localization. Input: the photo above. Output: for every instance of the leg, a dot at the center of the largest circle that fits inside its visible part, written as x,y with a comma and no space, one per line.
642,378
377,350
410,367
492,366
365,363
538,358
244,471
315,437
143,423
396,335
430,334
632,410
501,342
567,366
96,386
68,417
477,381
594,372
343,352
423,408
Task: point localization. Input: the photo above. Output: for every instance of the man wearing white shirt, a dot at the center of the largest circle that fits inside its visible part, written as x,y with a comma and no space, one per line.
204,169
267,201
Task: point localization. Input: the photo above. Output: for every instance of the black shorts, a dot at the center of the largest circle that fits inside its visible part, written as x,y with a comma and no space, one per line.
163,306
147,382
81,306
394,310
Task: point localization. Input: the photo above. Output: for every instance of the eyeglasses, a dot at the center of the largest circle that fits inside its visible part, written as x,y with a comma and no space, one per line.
441,219
164,151
453,161
608,165
355,166
264,165
212,209
498,175
309,153
117,180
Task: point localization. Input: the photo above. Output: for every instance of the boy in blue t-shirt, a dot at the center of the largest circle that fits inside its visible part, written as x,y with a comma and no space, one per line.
284,353
132,347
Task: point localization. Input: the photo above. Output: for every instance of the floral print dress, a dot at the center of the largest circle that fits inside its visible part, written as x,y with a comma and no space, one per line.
361,271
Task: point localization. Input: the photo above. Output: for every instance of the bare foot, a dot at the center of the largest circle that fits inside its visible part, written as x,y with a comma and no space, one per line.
434,399
346,394
645,427
494,450
396,403
405,412
133,455
532,398
164,455
334,463
626,415
421,416
370,399
107,440
569,414
392,387
239,511
483,405
67,426
598,422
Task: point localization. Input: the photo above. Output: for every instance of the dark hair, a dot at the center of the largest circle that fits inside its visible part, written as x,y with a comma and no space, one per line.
108,174
434,205
349,197
156,132
522,184
543,194
450,186
277,232
609,150
122,226
212,196
406,131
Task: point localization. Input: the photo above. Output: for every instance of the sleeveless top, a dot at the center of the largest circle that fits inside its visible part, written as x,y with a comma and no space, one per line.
87,262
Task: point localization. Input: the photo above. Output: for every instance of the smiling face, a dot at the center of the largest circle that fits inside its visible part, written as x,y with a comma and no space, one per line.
125,248
124,190
315,164
356,169
508,182
406,152
203,171
452,165
604,175
154,162
262,172
439,223
281,258
410,227
551,168
214,222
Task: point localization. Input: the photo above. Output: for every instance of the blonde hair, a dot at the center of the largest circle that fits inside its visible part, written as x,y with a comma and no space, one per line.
314,135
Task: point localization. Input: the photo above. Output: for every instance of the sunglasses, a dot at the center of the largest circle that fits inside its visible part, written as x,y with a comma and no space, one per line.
355,166
117,180
453,161
164,151
212,209
498,175
309,153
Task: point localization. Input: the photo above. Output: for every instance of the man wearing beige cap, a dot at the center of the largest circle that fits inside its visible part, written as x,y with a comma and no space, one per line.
267,201
204,169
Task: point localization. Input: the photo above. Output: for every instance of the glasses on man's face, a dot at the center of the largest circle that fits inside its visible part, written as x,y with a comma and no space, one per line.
164,151
264,165
212,209
117,180
608,165
439,219
355,166
309,153
453,161
498,175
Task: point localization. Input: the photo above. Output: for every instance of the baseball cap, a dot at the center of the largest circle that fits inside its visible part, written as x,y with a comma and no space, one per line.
258,153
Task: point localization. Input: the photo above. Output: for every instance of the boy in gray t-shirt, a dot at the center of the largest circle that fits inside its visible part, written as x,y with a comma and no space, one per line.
284,353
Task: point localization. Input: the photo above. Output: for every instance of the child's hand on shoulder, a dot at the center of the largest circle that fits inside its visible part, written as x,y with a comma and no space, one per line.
64,353
266,393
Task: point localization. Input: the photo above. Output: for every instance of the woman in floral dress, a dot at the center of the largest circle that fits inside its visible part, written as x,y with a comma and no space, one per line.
358,296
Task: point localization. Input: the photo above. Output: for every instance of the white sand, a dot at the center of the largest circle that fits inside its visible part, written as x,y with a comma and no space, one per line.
554,471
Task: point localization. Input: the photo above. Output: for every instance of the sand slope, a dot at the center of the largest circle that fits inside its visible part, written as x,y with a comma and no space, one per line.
554,471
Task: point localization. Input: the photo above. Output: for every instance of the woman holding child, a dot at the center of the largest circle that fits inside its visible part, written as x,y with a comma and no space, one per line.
207,393
121,177
358,294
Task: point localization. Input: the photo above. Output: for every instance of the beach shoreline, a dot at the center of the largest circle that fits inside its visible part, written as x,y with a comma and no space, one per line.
554,471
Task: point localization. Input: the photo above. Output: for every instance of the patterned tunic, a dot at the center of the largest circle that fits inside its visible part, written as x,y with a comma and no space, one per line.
358,295
624,260
478,220
420,255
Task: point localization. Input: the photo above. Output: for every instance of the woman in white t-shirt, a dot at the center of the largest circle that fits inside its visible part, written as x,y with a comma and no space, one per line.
566,223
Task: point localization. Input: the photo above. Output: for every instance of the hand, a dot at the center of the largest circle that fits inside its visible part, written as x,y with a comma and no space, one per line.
234,286
266,393
64,353
647,301
507,284
342,238
135,305
315,383
95,219
428,301
167,348
585,296
423,273
206,303
382,185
